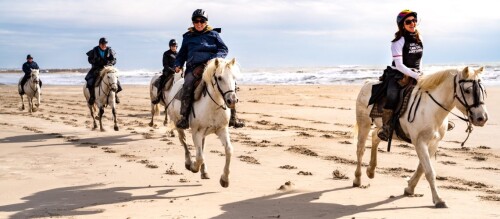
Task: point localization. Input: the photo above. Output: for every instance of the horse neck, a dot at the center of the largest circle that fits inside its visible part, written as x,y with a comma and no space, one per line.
444,95
105,85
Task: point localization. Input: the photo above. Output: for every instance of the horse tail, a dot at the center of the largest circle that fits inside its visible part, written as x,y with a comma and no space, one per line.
156,109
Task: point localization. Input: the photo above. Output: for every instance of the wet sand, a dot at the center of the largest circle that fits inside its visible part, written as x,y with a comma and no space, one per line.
294,159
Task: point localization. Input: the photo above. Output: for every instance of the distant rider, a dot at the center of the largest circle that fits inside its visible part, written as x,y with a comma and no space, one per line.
168,68
100,56
27,66
407,51
199,45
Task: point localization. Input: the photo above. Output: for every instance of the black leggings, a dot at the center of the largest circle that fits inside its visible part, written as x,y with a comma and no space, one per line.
392,93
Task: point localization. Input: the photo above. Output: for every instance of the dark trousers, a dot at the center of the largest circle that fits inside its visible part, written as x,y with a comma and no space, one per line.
164,78
392,93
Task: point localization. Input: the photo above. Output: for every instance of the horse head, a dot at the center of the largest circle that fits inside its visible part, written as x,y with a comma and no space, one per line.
221,74
470,94
35,75
109,75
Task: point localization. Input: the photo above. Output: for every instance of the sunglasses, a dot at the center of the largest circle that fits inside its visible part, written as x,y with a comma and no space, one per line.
201,21
408,22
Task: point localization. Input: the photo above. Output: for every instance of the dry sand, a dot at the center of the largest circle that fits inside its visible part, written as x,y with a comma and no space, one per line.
293,160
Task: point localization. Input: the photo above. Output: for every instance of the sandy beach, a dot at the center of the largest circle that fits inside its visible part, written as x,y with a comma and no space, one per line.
297,138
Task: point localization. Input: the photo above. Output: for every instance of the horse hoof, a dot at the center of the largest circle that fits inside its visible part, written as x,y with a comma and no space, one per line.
441,205
188,166
205,176
116,128
223,183
406,193
356,184
103,130
370,175
165,123
151,124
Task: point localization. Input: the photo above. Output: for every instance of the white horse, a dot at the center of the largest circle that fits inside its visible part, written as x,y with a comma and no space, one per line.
210,114
104,95
440,93
153,93
31,89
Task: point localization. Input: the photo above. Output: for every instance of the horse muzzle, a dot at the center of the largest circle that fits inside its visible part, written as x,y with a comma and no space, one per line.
231,99
478,116
114,87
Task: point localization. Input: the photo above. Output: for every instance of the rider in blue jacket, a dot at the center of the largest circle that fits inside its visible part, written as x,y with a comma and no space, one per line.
199,45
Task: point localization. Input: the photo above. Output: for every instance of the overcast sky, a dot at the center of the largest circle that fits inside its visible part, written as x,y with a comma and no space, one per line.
271,33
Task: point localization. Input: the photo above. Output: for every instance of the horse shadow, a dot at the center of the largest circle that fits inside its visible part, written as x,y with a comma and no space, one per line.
69,201
69,140
287,205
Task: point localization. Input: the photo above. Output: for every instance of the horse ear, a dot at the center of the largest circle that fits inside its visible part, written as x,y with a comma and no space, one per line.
478,71
465,72
216,63
233,61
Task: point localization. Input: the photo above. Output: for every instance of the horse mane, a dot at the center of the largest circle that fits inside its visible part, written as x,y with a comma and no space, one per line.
106,70
211,68
431,81
35,71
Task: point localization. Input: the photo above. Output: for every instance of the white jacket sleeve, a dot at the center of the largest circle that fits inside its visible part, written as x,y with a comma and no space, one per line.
397,56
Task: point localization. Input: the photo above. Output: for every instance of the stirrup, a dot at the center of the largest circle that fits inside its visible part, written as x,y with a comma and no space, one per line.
236,123
182,124
383,134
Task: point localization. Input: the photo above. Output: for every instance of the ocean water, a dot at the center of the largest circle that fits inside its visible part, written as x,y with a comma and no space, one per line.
266,76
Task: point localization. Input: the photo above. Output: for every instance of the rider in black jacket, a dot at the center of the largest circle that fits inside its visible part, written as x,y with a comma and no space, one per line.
27,66
100,56
168,68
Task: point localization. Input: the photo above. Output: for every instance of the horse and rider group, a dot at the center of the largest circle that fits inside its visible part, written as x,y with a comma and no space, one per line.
404,103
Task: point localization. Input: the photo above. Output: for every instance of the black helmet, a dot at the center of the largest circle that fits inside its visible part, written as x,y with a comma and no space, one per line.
29,56
172,42
103,40
199,13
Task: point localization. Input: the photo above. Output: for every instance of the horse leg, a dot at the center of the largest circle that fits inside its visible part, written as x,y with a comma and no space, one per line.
165,122
22,102
187,153
30,104
153,112
91,108
363,125
101,111
370,171
197,140
412,183
114,118
204,173
430,174
226,142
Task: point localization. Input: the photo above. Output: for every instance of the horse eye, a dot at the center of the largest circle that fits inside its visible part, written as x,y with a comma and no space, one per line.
468,90
219,78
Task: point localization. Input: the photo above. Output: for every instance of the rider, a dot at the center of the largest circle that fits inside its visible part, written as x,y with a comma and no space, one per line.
407,50
27,66
100,56
199,45
168,68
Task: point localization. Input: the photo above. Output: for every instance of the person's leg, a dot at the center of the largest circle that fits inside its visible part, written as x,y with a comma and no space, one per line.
23,81
91,87
160,89
392,95
187,99
234,121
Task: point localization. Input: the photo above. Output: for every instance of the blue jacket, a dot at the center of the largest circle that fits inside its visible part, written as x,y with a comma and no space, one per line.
28,66
199,47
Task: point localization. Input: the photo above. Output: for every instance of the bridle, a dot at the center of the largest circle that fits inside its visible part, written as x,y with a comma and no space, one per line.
221,106
477,90
108,86
33,82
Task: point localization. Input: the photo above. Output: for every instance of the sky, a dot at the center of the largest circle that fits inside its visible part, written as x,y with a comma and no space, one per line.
268,33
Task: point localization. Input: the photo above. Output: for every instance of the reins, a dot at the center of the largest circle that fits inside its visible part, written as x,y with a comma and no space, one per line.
109,90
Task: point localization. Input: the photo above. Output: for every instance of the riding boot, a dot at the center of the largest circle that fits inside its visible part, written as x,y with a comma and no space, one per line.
234,121
117,100
383,133
185,111
92,95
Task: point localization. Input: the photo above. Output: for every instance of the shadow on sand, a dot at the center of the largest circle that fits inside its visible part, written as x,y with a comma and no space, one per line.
287,205
68,201
104,140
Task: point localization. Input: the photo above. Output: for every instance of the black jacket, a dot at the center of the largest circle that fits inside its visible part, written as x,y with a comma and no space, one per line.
169,61
28,66
99,62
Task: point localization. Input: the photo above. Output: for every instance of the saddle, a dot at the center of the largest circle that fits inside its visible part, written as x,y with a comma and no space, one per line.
168,83
378,100
199,85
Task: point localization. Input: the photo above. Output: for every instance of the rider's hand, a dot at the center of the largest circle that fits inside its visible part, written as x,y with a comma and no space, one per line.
177,69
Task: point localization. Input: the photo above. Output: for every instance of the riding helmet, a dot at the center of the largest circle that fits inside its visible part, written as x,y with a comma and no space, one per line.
29,56
199,13
172,42
103,40
403,15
